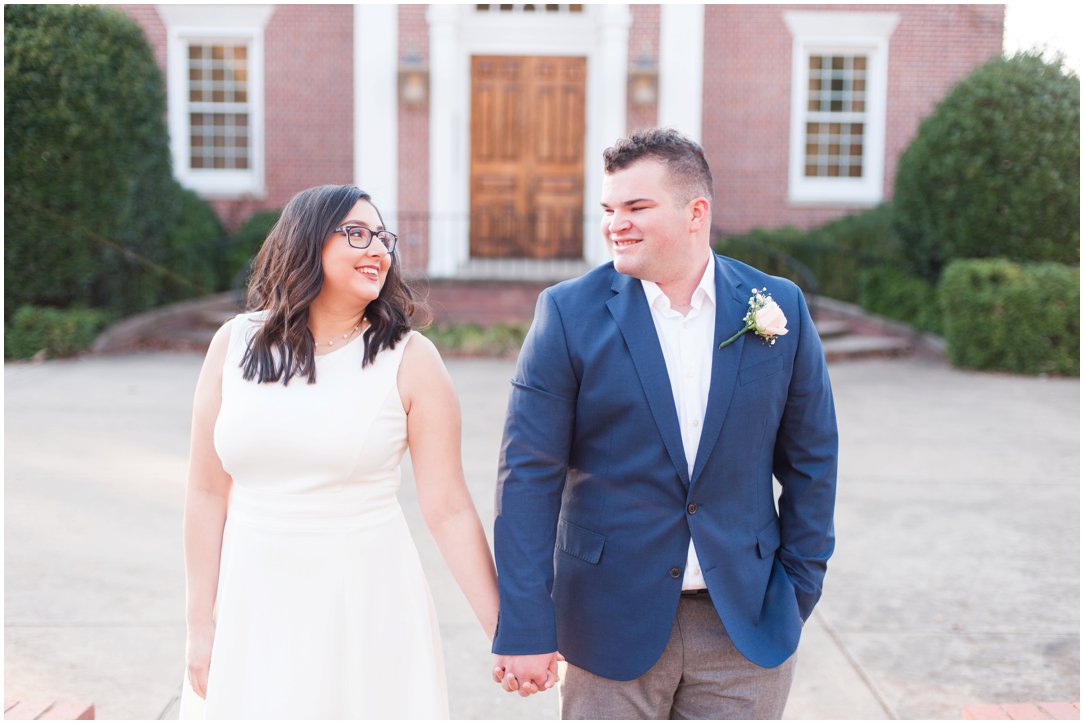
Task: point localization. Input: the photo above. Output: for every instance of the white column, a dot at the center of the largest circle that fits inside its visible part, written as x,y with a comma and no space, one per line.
376,106
681,68
607,88
448,242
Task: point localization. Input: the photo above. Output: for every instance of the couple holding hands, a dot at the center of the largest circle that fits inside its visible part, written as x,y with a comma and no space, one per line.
637,530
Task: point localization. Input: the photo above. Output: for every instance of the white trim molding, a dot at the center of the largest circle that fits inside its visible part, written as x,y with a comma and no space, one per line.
829,32
238,24
457,32
681,69
376,106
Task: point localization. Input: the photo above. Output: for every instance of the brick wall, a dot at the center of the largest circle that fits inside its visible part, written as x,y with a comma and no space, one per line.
933,47
414,150
309,131
747,91
147,17
308,101
479,302
643,41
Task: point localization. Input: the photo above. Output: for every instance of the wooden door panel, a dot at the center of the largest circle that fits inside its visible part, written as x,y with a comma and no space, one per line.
527,134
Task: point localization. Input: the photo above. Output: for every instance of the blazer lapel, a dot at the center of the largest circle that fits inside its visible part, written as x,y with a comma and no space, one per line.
732,304
629,308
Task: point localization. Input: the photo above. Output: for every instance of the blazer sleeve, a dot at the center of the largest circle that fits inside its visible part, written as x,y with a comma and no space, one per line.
805,462
531,476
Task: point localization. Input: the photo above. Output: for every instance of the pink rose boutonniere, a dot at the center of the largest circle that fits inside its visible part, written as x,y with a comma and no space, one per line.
764,318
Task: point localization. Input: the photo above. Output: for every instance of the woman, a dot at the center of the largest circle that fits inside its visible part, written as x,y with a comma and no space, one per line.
305,596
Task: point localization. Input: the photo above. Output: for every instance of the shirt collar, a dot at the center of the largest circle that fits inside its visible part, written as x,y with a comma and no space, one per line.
706,288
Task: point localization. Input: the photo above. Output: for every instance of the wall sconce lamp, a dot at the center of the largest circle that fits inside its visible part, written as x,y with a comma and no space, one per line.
644,81
413,80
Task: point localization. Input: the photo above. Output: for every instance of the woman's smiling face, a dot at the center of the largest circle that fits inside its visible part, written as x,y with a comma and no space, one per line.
351,273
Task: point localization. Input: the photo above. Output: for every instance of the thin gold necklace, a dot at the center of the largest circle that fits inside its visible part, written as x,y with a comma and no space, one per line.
348,335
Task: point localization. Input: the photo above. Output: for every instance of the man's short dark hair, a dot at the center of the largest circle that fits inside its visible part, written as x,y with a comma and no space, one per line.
685,163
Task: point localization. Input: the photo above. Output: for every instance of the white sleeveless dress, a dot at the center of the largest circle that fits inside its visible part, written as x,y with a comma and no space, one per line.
323,610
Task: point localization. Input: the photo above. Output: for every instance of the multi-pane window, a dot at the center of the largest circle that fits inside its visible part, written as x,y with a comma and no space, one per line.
219,111
214,81
529,8
835,119
839,102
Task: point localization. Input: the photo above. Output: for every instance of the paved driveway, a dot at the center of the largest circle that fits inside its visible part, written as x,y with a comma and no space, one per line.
956,577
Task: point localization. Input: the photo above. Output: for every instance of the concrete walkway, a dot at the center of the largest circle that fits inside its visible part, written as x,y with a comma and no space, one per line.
955,581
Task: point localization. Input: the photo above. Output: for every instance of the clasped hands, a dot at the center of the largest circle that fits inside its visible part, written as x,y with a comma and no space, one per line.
528,674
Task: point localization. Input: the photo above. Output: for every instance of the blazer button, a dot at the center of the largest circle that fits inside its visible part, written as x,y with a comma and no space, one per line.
675,572
692,508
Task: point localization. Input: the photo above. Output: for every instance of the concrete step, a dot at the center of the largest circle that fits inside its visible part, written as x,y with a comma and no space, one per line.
828,328
861,346
190,325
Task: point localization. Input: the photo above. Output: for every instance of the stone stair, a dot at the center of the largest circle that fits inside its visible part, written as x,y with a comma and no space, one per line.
183,327
847,332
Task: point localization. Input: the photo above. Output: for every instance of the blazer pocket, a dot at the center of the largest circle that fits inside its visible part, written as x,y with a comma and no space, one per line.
758,371
579,542
768,539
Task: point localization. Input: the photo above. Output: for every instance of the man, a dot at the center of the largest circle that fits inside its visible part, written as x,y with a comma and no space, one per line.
636,527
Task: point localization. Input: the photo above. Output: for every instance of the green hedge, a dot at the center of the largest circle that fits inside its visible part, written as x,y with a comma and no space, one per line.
896,294
1000,315
499,340
89,195
825,260
244,244
195,251
59,332
994,171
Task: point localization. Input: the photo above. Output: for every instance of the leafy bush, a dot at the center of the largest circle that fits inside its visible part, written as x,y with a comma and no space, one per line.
999,315
825,260
88,190
194,251
994,171
59,332
499,340
893,293
244,244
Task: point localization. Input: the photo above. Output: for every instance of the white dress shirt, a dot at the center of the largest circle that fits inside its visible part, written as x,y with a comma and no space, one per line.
686,342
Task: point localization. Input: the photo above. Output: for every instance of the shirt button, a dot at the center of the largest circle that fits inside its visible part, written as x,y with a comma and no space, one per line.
691,508
675,572
696,422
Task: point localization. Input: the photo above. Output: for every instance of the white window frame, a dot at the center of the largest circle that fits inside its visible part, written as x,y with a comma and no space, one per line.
840,33
224,25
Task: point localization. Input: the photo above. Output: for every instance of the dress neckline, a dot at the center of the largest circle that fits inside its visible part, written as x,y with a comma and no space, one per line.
336,350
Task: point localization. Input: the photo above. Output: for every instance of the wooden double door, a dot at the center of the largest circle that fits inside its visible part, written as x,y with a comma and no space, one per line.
527,139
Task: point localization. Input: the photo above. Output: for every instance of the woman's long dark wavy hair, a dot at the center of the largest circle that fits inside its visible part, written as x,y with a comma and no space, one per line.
288,274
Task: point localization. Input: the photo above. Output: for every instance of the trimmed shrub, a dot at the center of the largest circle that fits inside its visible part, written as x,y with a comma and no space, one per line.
825,260
88,190
895,294
994,171
195,251
244,244
500,340
999,315
59,332
768,251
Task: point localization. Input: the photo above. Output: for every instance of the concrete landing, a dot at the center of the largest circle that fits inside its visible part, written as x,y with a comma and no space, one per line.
955,580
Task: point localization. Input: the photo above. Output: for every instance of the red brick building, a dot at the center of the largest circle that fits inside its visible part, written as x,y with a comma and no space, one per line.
479,128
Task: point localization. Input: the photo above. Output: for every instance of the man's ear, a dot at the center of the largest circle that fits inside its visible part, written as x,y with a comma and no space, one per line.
699,210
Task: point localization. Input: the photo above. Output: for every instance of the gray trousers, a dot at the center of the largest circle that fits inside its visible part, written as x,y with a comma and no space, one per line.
700,675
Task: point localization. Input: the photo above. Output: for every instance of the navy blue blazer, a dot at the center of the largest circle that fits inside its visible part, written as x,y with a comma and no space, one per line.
594,504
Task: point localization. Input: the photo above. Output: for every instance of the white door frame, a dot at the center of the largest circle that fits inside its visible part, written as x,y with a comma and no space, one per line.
456,32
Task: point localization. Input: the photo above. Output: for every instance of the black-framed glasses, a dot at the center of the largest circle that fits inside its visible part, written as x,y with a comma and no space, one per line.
360,237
